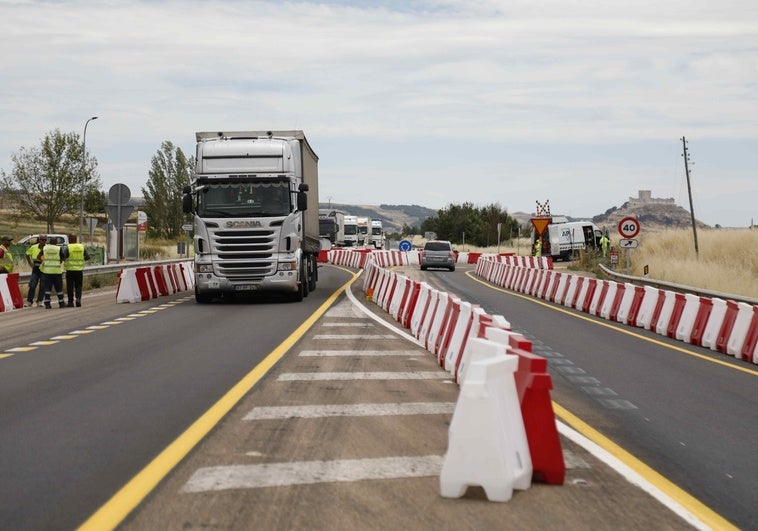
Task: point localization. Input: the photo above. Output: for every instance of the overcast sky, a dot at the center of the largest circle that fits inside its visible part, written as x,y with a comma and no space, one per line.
579,102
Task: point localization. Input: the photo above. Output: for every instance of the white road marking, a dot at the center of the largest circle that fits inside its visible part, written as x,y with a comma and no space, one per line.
350,410
311,472
321,376
352,324
326,353
354,336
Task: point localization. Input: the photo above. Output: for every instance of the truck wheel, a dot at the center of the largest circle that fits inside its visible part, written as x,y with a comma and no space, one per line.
313,266
304,277
201,298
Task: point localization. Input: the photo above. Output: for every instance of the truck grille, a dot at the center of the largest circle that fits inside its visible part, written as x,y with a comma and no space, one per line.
245,255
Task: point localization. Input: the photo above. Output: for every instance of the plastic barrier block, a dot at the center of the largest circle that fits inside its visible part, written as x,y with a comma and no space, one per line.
676,314
751,339
730,316
739,329
487,444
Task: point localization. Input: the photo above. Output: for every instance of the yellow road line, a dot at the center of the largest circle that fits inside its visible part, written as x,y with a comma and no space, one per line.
614,326
697,508
113,512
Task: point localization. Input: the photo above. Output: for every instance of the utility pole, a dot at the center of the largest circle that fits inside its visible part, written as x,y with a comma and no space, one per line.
686,156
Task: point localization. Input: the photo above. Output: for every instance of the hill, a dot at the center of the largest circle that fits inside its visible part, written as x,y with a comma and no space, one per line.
392,216
653,214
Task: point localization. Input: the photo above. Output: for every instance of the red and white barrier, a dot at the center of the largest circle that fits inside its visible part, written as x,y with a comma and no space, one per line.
725,326
137,284
10,293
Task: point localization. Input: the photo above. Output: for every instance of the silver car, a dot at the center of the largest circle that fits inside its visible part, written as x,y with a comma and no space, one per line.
437,253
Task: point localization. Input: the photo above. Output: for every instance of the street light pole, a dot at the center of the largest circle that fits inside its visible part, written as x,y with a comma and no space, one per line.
84,178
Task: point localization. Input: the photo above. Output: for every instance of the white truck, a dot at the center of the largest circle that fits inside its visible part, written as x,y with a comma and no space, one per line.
564,240
332,226
351,231
255,205
363,238
377,234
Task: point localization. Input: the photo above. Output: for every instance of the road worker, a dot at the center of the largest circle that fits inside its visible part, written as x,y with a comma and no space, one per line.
6,258
52,271
74,266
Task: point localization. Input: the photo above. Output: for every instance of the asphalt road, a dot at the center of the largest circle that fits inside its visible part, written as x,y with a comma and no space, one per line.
111,385
114,405
687,412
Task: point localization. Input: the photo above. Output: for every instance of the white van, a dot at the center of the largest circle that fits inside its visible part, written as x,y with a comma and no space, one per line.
34,238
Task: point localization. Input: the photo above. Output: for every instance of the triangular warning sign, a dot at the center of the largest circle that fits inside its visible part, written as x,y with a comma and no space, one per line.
540,224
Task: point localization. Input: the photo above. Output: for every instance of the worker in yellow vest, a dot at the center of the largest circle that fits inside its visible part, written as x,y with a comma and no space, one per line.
52,271
74,266
6,258
34,259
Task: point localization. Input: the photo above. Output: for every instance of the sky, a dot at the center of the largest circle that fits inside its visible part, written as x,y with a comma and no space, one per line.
581,103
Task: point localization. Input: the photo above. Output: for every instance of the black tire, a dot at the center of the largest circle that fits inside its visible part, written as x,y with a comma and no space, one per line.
423,268
452,268
313,278
202,298
304,277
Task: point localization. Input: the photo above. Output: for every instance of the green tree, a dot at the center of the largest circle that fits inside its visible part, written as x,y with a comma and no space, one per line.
170,171
478,224
45,181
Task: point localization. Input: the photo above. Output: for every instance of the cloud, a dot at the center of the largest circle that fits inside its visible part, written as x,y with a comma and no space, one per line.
553,78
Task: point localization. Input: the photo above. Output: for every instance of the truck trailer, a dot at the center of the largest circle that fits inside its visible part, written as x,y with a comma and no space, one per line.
254,202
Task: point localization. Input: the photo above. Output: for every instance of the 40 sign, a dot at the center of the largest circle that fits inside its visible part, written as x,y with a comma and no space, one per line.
629,227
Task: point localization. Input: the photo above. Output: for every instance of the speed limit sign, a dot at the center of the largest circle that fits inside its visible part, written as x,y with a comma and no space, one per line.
629,227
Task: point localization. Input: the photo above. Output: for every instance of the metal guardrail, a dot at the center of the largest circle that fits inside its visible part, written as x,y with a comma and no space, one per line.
643,281
110,268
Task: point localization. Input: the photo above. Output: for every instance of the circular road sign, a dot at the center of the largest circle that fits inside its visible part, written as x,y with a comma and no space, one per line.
629,227
404,245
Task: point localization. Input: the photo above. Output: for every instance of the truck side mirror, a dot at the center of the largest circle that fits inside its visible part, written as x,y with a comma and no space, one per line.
187,202
302,199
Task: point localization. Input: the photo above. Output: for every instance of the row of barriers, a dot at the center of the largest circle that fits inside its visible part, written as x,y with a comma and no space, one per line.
389,258
454,332
721,325
137,284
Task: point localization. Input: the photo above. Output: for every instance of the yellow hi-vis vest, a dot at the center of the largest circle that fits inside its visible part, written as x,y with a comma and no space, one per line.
6,262
75,260
51,261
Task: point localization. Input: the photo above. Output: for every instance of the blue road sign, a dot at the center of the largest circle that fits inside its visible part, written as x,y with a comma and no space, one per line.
405,245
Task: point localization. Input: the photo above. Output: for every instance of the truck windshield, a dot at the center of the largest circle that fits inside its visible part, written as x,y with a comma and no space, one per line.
351,229
249,199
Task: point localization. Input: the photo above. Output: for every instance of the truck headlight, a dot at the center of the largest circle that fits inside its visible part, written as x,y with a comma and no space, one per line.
286,266
204,268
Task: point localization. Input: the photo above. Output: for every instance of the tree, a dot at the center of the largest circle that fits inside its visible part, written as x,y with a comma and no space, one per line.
478,224
45,182
170,171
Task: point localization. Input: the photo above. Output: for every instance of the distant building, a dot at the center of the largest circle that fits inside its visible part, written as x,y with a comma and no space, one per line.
645,197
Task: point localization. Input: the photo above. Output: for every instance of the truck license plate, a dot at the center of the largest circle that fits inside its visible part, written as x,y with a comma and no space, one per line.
245,287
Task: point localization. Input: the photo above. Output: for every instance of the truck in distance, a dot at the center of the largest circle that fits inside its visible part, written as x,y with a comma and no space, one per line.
254,201
351,231
377,234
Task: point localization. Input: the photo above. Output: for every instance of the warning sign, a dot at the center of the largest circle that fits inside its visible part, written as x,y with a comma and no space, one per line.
540,224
